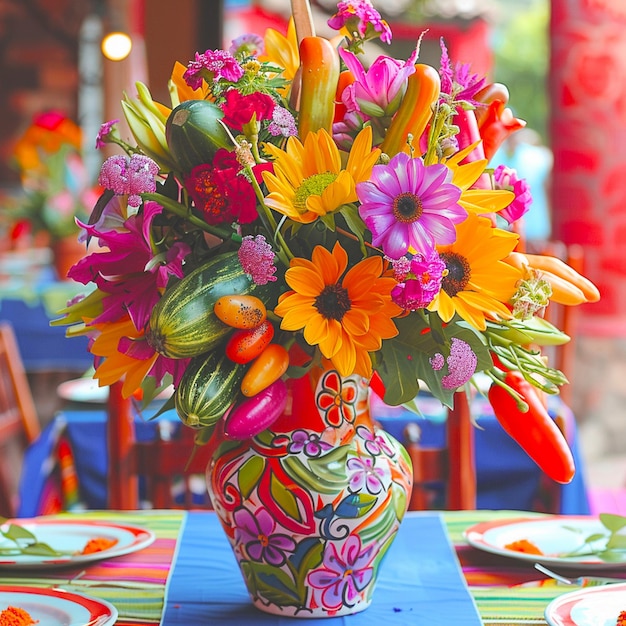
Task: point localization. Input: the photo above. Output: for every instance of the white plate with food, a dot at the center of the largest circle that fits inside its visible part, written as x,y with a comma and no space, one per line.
56,607
560,541
70,542
592,606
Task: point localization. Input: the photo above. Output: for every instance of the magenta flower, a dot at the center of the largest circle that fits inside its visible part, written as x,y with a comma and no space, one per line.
239,109
506,178
361,20
130,272
343,576
461,364
375,444
212,66
409,204
257,259
256,532
130,176
309,443
106,129
419,280
378,91
458,81
365,475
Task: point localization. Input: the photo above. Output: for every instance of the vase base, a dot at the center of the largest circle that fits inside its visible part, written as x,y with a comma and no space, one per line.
308,613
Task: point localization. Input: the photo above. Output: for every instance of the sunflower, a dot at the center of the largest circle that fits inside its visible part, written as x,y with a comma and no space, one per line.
283,51
346,314
308,181
478,284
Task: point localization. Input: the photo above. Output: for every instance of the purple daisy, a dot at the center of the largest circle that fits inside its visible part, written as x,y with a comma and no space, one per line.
408,204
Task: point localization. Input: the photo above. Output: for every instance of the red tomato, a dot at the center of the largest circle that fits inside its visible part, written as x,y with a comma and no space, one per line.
240,311
246,345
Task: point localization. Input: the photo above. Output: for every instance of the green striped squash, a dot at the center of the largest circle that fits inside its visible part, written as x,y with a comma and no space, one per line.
183,324
207,388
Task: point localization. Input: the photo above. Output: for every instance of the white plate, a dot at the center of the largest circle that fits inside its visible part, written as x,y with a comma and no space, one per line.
71,536
55,607
593,606
88,390
555,536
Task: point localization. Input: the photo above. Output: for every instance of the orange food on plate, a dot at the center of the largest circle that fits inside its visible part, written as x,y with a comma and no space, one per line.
523,545
621,619
97,545
15,616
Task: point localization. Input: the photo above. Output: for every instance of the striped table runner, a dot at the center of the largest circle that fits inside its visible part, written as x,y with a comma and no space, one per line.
134,583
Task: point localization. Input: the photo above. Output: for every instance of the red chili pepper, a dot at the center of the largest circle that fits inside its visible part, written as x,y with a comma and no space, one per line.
534,430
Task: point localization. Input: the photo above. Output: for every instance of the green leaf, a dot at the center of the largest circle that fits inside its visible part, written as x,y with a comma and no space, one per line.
612,522
271,583
303,475
331,466
250,474
284,498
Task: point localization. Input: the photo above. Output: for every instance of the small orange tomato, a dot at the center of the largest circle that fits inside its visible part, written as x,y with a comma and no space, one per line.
267,368
245,345
240,311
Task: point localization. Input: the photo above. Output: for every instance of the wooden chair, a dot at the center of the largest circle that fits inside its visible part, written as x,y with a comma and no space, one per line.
19,424
164,470
451,468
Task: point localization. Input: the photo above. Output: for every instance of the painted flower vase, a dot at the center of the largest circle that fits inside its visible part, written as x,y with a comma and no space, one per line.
312,504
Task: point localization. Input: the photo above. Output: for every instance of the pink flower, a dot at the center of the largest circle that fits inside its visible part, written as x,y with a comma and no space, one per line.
129,176
212,66
257,259
247,45
360,19
461,364
239,109
378,91
409,204
506,178
343,575
105,130
419,280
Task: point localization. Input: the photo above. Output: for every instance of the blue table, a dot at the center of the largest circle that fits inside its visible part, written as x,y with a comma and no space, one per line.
507,478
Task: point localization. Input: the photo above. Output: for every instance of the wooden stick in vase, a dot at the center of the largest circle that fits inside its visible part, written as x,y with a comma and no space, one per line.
303,19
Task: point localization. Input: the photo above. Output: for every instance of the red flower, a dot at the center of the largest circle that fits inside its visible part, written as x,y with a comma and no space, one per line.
239,109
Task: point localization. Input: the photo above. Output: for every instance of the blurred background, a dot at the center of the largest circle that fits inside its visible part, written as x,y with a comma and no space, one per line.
564,62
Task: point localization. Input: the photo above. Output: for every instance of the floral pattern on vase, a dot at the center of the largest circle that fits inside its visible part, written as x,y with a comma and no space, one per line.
312,505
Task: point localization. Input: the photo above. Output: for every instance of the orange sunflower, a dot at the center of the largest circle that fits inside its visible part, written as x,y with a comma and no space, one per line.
308,180
346,314
478,283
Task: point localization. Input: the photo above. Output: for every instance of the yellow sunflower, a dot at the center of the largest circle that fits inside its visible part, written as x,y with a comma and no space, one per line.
478,284
308,181
283,51
346,314
117,365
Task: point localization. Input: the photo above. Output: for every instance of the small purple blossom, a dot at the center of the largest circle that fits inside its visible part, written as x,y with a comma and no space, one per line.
256,532
375,443
408,204
419,280
364,474
257,259
461,364
105,130
310,443
129,176
457,81
247,45
283,123
361,20
507,178
213,65
343,576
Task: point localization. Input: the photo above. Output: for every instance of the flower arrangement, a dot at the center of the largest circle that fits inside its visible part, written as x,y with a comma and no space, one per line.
56,186
294,208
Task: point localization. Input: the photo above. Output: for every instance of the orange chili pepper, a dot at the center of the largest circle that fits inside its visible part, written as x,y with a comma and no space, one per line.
415,111
320,67
346,78
267,368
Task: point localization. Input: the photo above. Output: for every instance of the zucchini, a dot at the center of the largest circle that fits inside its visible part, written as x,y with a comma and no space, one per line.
207,388
183,324
194,133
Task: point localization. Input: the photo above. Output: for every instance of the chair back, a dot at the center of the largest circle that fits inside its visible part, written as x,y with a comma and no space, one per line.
19,424
166,472
449,470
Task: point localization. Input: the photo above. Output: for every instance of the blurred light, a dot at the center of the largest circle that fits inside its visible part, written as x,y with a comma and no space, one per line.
116,46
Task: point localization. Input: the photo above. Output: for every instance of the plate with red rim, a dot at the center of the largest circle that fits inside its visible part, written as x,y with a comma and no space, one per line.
70,537
592,606
56,607
556,536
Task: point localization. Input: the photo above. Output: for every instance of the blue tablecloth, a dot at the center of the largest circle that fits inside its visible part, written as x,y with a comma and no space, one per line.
506,477
420,581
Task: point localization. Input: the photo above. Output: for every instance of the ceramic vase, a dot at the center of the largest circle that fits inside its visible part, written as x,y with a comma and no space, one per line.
312,504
